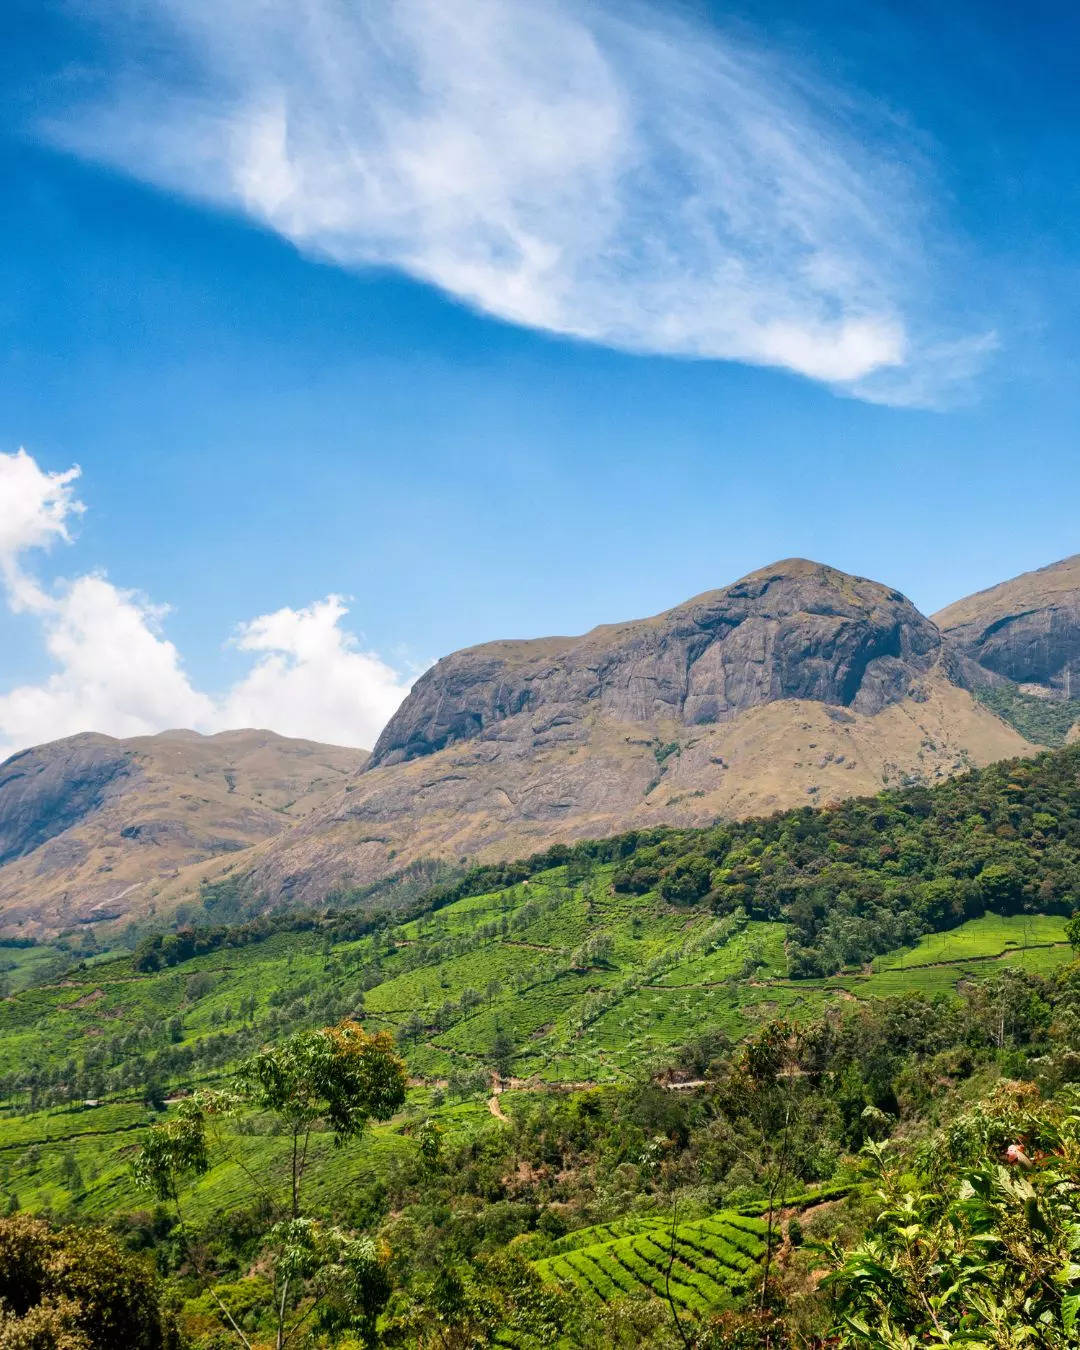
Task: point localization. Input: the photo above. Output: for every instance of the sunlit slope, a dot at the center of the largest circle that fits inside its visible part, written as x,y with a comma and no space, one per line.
671,977
97,832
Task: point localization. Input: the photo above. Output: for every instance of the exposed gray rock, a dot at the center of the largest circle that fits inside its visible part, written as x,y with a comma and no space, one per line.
797,629
1026,629
46,790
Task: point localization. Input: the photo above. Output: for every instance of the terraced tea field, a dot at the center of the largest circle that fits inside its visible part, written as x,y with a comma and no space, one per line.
706,1263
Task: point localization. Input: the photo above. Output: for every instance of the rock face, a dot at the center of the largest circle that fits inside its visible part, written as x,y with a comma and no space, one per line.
790,631
1027,629
92,827
49,789
798,684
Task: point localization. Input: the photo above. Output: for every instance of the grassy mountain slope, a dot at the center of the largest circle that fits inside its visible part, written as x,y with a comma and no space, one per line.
477,801
573,1024
93,829
796,684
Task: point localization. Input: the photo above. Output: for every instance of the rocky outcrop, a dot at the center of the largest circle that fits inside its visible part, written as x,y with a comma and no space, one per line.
49,789
796,630
1026,629
796,685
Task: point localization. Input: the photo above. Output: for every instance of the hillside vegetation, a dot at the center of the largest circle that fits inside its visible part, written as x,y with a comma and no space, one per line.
599,1040
1045,721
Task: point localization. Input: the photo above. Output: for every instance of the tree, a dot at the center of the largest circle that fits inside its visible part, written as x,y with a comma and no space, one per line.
502,1053
76,1289
687,880
595,951
769,1086
339,1075
69,1171
338,1079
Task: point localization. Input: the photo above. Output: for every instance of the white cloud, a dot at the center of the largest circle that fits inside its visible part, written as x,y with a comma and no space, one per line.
116,672
34,510
605,171
311,679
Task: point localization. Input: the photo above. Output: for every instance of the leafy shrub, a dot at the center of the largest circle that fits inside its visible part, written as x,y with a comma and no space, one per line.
75,1289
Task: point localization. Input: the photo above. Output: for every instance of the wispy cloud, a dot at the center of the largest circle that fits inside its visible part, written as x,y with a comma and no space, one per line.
604,171
114,670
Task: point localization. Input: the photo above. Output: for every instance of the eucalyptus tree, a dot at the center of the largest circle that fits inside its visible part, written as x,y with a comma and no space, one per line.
323,1281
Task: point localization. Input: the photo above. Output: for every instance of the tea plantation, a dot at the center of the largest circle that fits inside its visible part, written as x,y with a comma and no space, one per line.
614,965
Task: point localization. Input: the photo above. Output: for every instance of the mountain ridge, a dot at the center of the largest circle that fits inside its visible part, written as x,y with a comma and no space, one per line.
1026,629
796,684
89,820
795,628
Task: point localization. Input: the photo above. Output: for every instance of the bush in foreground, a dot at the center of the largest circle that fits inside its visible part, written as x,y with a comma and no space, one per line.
75,1289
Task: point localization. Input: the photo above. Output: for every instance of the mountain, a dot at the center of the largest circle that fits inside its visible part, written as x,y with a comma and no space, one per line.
92,828
1027,629
798,684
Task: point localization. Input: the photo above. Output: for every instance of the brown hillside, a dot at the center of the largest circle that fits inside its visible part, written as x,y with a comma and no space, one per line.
798,684
1027,629
91,826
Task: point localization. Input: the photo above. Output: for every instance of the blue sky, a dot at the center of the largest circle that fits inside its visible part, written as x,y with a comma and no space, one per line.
292,364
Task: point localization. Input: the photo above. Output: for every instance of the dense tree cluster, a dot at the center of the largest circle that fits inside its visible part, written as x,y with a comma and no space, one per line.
77,1289
871,874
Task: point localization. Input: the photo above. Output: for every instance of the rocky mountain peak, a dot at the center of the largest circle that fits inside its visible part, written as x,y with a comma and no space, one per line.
1027,629
795,629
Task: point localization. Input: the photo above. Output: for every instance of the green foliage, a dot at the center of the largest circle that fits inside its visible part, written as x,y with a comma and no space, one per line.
337,1074
176,1150
463,1307
640,961
983,1250
76,1289
597,950
715,1260
344,1278
335,1078
1046,721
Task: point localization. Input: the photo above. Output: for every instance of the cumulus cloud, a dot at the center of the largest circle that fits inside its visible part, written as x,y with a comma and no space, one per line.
34,511
311,678
610,172
116,672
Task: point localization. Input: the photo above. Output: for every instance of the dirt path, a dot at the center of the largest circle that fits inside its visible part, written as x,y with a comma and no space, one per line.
498,1087
493,1101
